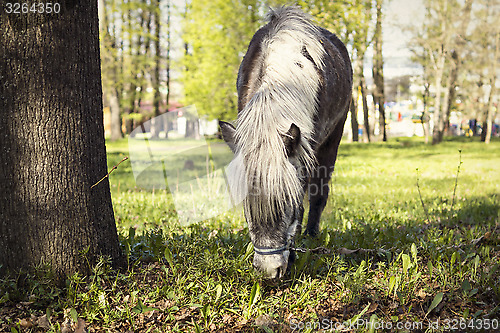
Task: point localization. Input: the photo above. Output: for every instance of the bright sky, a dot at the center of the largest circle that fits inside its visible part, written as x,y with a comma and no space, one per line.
396,53
400,13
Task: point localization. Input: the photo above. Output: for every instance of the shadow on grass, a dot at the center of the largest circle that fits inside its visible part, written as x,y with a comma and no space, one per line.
448,228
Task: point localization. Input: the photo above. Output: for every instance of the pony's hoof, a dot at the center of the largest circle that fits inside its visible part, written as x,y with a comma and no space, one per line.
313,232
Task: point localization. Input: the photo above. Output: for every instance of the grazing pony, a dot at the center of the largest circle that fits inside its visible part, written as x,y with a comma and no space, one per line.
294,90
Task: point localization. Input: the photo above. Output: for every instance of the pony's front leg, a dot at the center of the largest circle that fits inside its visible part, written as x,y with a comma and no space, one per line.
318,188
318,195
299,217
297,223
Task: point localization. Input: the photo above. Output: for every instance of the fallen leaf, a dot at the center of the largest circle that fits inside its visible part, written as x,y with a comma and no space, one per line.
43,322
66,329
26,323
264,320
81,326
372,308
242,322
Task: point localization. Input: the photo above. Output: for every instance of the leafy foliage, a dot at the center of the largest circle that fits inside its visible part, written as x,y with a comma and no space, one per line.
216,36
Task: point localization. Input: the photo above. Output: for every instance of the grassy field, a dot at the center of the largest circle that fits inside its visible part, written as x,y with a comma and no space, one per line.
412,232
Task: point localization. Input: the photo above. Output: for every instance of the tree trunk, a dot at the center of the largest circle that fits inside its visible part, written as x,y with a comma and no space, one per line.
52,148
110,63
382,121
132,88
116,118
192,129
358,74
354,119
366,118
166,125
378,70
493,70
450,95
143,82
425,114
437,132
155,123
490,115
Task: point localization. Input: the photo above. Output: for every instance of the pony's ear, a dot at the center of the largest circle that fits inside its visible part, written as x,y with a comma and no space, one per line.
291,139
227,130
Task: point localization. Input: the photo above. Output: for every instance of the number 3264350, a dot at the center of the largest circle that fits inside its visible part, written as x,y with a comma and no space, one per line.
25,8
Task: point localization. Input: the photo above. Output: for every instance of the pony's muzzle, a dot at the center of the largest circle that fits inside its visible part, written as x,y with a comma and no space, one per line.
273,267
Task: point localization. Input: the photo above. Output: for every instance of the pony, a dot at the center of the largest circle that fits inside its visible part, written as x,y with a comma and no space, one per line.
294,90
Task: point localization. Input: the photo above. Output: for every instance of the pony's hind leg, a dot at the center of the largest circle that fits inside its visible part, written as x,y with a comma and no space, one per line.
318,188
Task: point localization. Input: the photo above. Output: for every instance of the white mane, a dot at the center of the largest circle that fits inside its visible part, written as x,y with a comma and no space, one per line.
287,94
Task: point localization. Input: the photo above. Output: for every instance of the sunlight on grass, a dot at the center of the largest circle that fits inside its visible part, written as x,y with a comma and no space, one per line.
374,204
405,265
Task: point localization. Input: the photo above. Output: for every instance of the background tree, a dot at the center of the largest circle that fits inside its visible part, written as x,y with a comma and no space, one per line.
351,21
218,33
425,80
215,37
110,66
52,148
483,62
378,70
129,59
166,125
458,48
362,11
155,123
442,37
139,66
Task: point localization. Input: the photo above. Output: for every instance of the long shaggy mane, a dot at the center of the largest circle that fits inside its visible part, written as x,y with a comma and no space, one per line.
291,54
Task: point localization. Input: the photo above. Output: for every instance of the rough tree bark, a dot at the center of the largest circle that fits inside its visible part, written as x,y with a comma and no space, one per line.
52,147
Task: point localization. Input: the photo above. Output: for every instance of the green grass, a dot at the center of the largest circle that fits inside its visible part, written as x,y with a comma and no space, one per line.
414,262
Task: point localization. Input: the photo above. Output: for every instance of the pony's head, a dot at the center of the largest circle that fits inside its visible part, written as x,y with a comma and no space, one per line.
269,175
